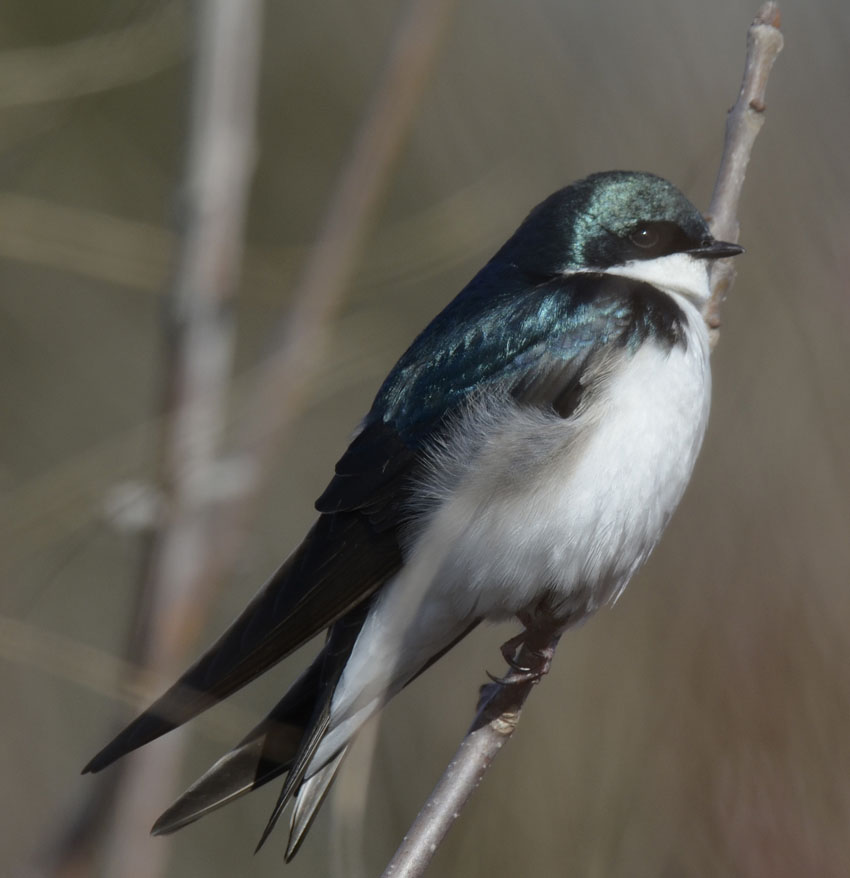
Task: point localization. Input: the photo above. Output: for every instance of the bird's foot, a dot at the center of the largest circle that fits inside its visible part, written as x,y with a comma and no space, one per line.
528,663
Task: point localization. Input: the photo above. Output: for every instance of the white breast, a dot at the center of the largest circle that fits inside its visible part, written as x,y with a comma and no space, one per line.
580,503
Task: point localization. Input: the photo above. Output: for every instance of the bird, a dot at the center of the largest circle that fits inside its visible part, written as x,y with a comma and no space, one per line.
520,461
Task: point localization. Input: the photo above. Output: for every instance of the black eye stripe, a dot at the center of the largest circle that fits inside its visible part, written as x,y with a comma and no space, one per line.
648,240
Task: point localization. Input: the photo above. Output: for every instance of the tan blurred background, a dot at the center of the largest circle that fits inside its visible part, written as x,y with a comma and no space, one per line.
702,726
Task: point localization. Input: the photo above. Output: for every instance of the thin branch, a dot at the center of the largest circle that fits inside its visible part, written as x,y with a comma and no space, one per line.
499,709
764,43
501,704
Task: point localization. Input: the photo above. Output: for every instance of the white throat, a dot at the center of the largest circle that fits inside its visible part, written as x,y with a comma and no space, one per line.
679,273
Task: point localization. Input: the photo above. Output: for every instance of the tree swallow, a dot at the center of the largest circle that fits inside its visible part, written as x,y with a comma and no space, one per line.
522,457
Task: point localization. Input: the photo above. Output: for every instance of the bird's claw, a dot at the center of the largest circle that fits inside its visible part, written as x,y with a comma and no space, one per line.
523,672
510,649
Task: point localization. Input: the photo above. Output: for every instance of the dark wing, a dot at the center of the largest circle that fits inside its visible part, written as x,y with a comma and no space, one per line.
339,564
277,744
283,742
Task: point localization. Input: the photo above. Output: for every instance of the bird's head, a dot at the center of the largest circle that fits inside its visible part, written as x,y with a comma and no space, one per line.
621,222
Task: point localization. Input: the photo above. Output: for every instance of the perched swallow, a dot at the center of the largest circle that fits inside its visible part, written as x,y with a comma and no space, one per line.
522,457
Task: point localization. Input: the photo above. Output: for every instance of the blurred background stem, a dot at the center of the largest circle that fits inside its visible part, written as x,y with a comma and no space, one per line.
173,595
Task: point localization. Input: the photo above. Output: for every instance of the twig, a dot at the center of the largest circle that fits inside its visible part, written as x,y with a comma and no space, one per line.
501,705
764,43
499,709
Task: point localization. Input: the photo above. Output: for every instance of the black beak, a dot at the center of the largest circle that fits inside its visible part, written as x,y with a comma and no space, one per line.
716,250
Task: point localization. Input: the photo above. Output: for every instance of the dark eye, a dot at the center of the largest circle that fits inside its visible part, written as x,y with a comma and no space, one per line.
644,237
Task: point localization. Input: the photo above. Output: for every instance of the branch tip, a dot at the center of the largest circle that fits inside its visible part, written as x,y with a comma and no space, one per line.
769,14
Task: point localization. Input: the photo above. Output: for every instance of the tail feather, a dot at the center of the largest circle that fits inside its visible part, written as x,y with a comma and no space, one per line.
309,799
335,655
284,741
265,753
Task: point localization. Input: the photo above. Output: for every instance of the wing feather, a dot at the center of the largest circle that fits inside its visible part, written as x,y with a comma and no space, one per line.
278,743
340,563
